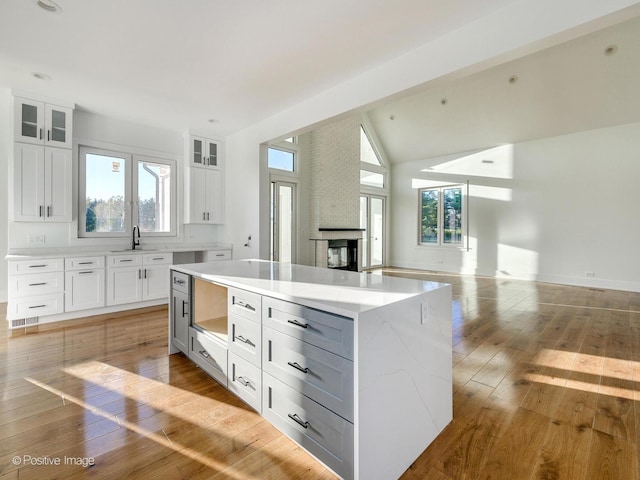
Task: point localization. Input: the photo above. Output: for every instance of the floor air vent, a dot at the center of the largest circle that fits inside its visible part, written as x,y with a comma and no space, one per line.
24,322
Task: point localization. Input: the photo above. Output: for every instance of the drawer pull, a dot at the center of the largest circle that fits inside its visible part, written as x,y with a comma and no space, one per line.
179,282
204,353
297,366
85,273
298,420
37,284
37,266
248,306
244,381
128,260
298,324
157,258
85,263
245,340
221,254
38,306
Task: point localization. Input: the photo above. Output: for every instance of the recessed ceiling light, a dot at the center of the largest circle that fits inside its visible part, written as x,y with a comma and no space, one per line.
443,101
611,50
213,120
41,76
513,79
48,6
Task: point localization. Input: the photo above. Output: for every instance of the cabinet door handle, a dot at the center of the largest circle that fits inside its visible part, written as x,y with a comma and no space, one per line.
248,306
145,273
207,215
41,134
48,210
298,420
37,284
48,135
204,353
298,324
204,216
184,304
40,210
139,274
245,340
297,366
244,381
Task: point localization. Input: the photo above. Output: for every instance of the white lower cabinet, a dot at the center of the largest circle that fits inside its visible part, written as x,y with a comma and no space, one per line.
137,277
84,289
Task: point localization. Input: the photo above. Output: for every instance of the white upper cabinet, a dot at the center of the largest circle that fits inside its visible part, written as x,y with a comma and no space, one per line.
42,184
42,123
204,152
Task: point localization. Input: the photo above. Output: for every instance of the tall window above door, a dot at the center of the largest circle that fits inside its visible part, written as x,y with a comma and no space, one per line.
372,171
117,190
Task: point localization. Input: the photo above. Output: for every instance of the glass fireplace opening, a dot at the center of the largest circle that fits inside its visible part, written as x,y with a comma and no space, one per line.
343,255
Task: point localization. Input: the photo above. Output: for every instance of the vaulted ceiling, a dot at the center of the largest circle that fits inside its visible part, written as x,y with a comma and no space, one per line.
179,64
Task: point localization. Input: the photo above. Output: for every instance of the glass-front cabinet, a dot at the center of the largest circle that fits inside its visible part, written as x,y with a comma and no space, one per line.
203,152
42,123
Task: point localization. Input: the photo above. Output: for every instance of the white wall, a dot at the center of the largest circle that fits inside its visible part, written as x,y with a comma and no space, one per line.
551,209
5,156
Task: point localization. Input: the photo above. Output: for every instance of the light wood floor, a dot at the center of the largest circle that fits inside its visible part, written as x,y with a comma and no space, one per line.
545,381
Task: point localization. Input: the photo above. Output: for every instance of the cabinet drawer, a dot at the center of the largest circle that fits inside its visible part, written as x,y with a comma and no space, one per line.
245,339
245,380
124,260
323,433
35,266
324,377
36,307
81,263
157,258
210,354
245,304
180,281
325,330
36,284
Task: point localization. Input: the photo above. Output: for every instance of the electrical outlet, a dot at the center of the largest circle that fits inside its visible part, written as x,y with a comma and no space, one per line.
36,239
424,312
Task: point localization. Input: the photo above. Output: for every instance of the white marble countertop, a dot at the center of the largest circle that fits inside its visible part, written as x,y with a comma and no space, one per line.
26,253
336,291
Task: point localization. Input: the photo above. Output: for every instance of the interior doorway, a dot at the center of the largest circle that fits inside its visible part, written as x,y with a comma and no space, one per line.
283,224
372,220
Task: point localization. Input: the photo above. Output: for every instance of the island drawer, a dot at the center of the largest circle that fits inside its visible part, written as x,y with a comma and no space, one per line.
246,304
245,380
324,377
325,330
245,339
17,267
210,354
82,263
36,284
324,434
180,282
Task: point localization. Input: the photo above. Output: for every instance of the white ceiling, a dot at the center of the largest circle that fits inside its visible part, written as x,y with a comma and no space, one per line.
567,88
176,64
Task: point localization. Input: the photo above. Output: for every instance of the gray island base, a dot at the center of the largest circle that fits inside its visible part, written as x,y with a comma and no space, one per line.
356,368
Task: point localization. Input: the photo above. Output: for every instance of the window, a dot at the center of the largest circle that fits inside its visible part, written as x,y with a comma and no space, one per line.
281,159
372,172
118,190
441,214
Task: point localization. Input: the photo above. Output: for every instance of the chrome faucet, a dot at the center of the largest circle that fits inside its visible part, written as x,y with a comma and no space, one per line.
135,241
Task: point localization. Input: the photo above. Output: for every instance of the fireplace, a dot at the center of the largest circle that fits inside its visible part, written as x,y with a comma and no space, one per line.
339,248
343,254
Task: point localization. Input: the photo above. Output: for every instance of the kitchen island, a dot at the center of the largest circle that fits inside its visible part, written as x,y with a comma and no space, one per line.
356,368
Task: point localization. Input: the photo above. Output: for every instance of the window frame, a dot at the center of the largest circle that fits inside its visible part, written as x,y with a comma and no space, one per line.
132,160
290,148
440,220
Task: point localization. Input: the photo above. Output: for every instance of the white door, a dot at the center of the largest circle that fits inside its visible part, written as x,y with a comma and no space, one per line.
283,225
57,184
197,196
124,285
28,187
214,196
84,289
155,282
372,220
29,121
